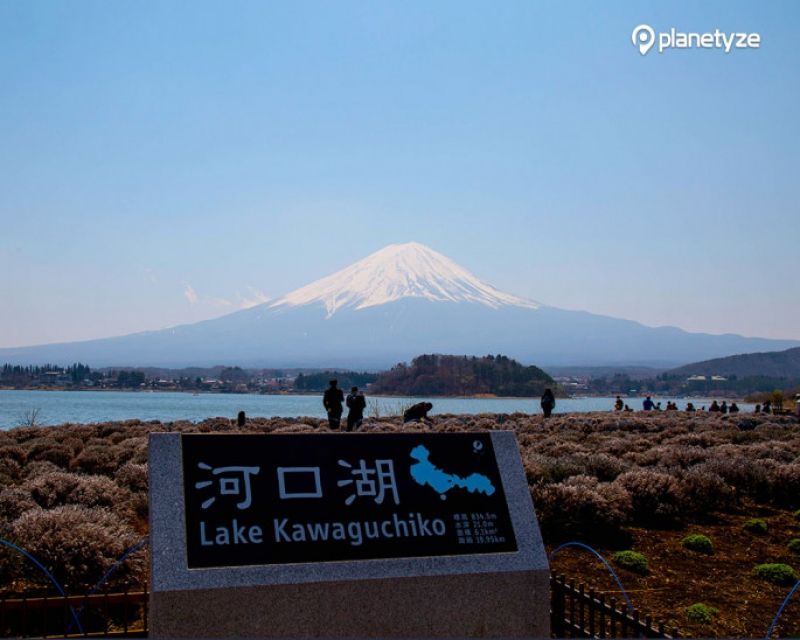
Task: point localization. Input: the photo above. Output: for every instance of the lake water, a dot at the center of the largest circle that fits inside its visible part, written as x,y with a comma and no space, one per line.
58,407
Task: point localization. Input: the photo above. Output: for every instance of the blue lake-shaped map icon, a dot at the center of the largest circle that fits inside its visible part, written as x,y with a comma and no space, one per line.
425,473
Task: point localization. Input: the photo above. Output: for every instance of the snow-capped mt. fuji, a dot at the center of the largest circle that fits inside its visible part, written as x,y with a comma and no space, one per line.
399,271
399,302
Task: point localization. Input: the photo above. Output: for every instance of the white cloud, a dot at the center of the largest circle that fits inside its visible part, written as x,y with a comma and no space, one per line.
190,294
253,299
218,302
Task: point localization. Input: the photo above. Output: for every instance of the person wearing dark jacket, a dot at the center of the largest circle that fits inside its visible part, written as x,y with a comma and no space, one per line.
417,412
548,402
332,401
356,403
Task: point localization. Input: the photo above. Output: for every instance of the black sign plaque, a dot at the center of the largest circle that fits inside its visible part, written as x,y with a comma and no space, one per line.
274,499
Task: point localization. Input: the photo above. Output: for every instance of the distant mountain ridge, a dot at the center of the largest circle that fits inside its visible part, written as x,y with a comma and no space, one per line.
771,364
400,301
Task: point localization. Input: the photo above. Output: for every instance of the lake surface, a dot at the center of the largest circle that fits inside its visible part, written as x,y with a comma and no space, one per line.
58,407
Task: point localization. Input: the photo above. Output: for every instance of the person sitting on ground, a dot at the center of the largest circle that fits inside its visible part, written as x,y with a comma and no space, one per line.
723,408
332,401
757,409
356,403
648,404
734,408
690,407
417,413
658,406
714,407
627,408
548,402
618,404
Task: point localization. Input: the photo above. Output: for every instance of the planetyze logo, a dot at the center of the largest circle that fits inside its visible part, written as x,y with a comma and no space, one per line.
644,38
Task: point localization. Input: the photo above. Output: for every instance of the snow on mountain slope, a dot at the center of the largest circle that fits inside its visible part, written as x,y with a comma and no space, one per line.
398,271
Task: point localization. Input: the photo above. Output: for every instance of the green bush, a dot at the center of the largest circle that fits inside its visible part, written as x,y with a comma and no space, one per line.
698,542
756,525
794,545
776,573
699,612
632,561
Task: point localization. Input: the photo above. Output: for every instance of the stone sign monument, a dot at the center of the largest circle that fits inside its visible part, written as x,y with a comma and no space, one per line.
344,535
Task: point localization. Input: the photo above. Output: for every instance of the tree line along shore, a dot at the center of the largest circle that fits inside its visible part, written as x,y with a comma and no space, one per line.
435,375
431,375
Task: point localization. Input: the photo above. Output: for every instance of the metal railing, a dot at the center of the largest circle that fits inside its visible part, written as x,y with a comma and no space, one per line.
102,614
576,612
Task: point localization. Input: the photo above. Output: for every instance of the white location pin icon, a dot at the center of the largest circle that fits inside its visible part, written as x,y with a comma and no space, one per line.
643,37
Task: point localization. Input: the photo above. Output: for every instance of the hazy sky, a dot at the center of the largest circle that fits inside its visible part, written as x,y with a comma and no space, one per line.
162,163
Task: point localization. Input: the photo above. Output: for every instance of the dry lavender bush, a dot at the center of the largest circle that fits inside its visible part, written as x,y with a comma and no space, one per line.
76,495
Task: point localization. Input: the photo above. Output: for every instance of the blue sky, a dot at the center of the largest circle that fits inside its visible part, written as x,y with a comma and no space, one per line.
162,163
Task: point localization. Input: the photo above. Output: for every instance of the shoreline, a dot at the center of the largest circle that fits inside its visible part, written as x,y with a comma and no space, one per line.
599,419
320,424
477,396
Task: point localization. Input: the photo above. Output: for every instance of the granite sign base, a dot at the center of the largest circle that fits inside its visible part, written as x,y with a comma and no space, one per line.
502,594
501,605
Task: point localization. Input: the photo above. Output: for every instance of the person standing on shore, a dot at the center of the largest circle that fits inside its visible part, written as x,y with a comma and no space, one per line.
332,401
548,402
356,403
648,404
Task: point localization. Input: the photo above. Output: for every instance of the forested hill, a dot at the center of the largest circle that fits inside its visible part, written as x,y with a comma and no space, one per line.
772,364
442,375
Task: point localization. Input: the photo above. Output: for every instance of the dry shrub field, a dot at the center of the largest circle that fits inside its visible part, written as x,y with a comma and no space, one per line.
75,496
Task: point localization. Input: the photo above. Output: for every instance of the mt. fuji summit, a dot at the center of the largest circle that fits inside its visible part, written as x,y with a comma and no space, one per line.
400,271
399,302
